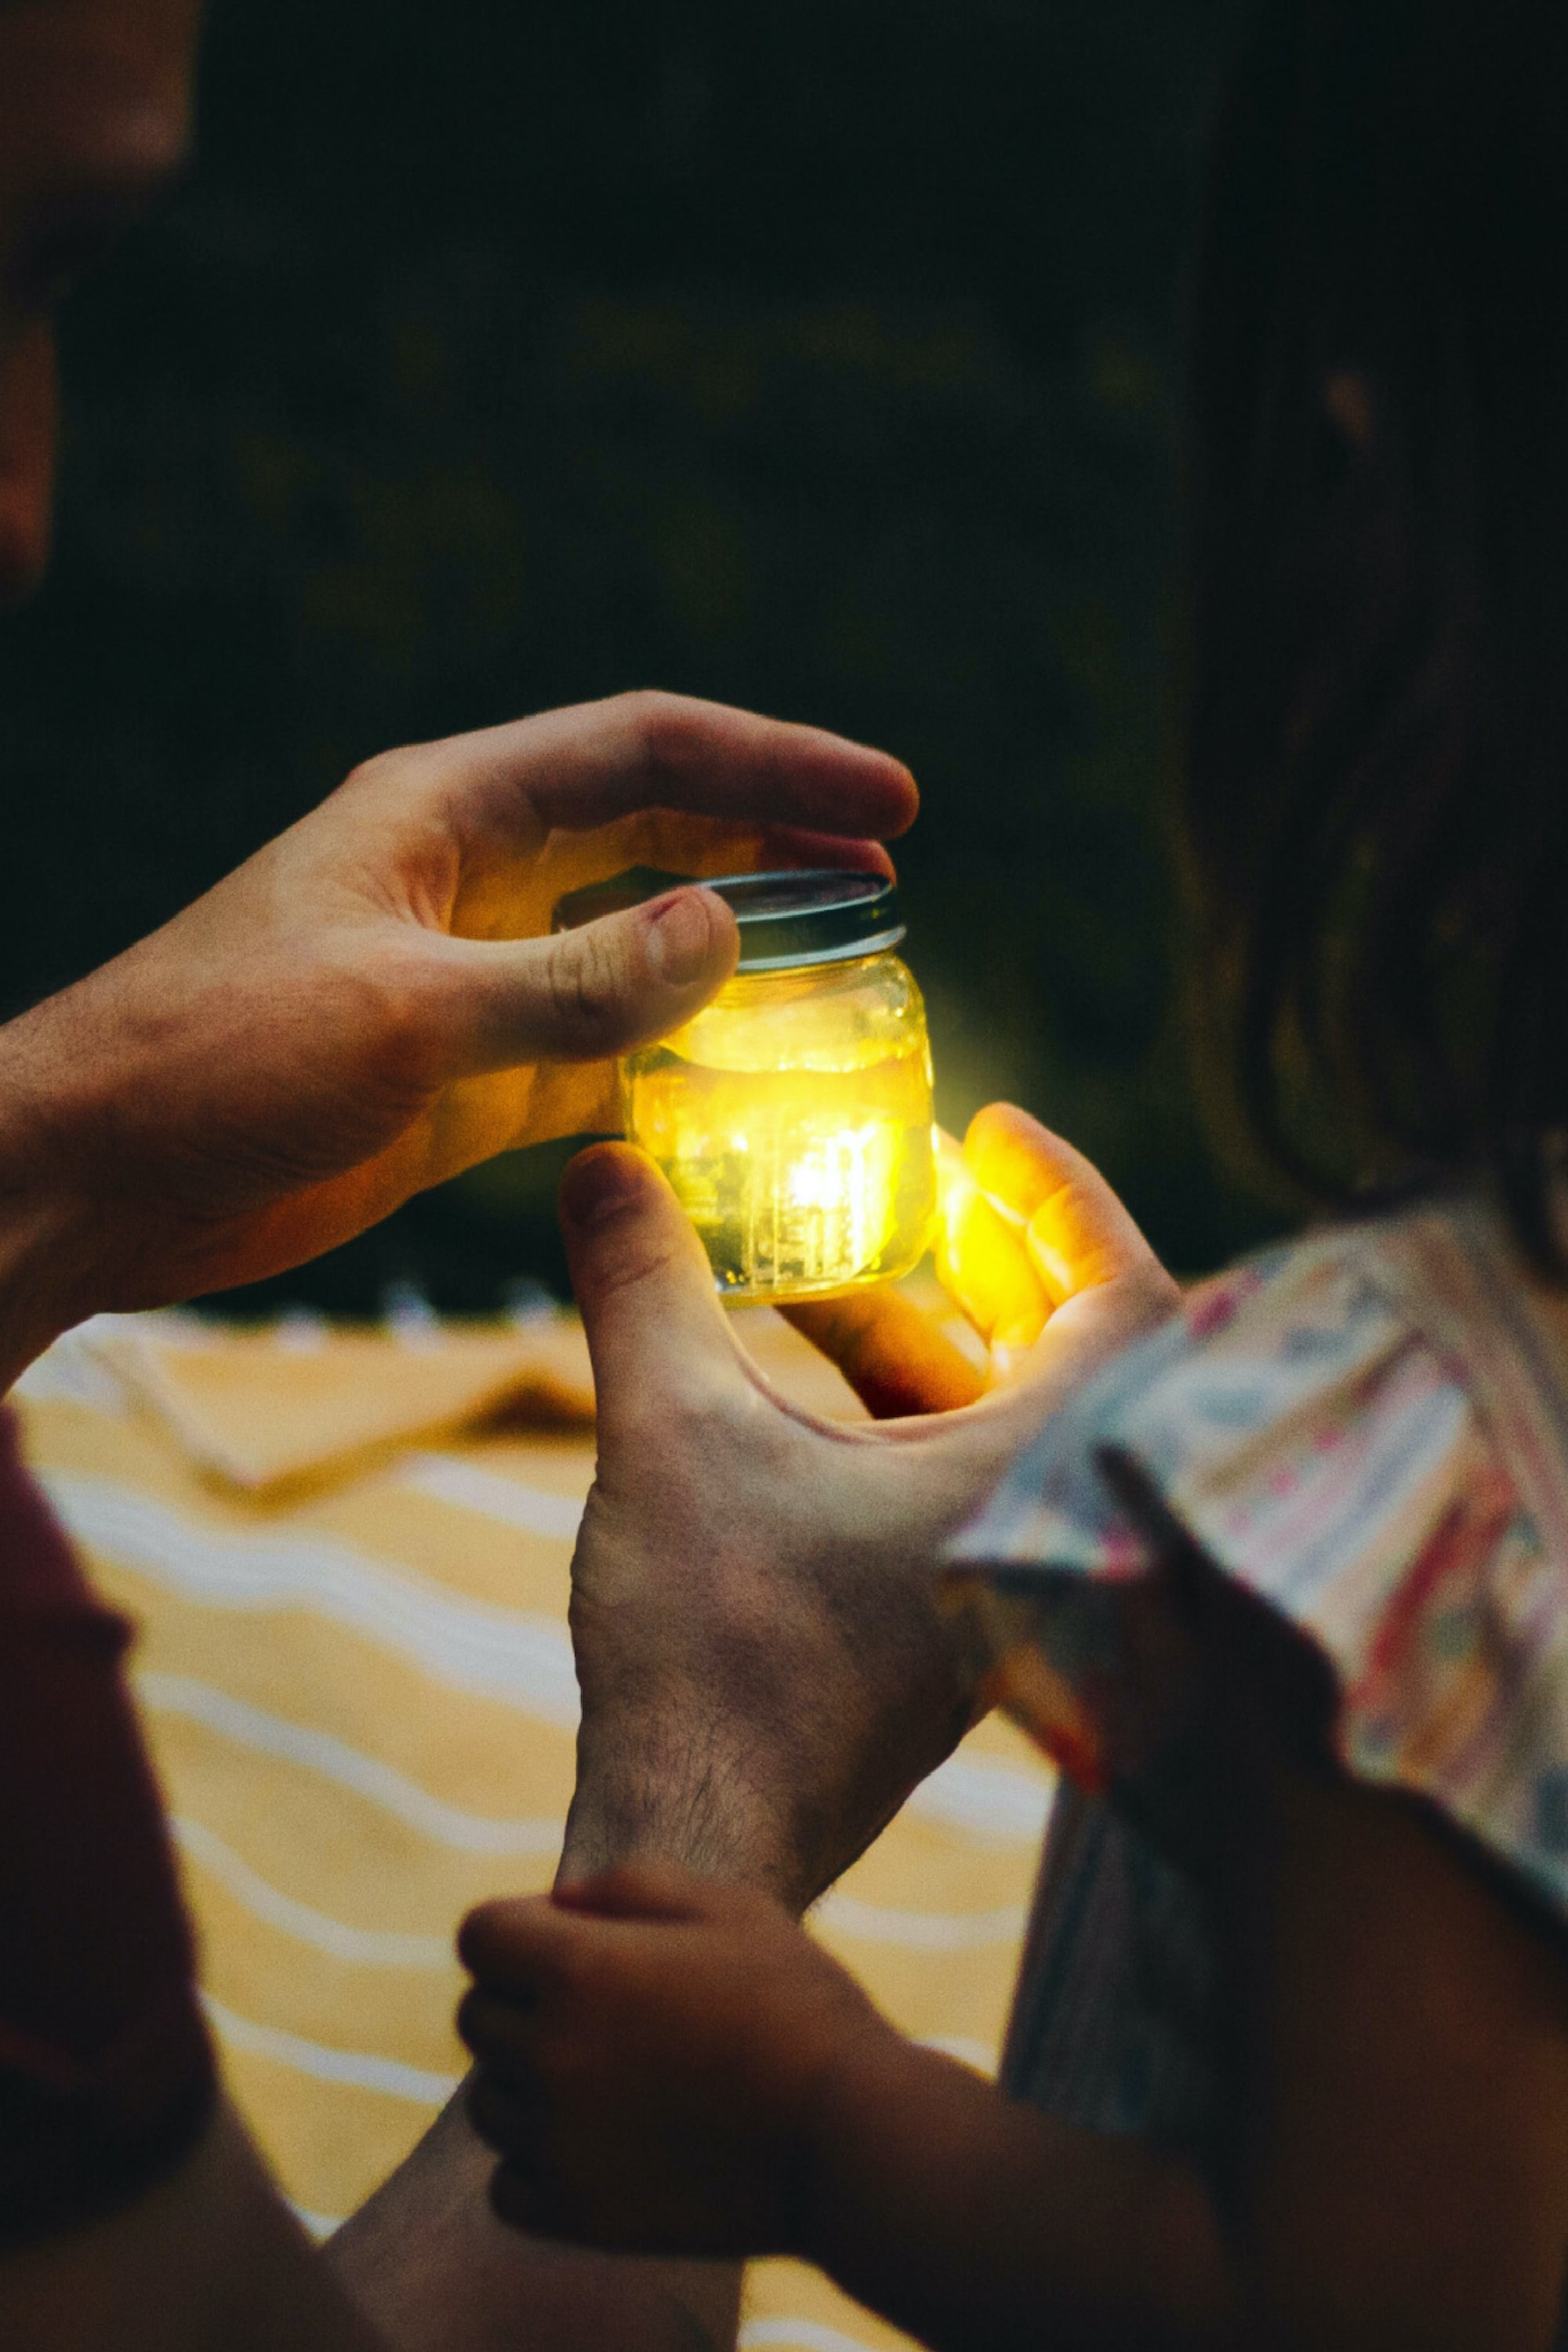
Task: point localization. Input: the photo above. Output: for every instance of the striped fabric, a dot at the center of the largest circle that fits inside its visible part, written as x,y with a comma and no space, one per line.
359,1692
1110,2027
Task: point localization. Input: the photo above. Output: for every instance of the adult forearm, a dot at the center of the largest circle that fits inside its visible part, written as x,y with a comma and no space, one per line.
426,2260
769,1761
669,1789
658,1789
429,2263
46,1278
208,2260
38,1297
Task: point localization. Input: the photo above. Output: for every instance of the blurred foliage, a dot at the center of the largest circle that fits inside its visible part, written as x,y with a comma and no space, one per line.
505,353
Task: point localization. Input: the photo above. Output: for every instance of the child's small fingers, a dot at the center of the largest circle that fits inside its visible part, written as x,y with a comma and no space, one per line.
637,1890
516,2199
1014,1158
508,1944
1079,1234
499,2030
505,2118
984,1261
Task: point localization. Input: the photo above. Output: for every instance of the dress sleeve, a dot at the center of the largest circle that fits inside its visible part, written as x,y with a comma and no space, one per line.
1302,1430
106,2075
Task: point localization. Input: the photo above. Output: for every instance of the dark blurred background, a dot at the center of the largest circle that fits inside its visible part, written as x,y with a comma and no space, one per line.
505,352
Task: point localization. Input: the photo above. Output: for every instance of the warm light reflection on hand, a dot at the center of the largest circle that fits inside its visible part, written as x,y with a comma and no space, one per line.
1026,1225
1040,1256
982,1258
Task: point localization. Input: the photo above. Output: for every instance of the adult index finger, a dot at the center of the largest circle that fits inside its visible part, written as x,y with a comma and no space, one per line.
599,761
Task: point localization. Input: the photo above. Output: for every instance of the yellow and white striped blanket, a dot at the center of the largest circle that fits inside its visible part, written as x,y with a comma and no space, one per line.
350,1578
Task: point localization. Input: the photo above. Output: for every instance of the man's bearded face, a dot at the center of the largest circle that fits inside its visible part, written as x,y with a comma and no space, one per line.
95,99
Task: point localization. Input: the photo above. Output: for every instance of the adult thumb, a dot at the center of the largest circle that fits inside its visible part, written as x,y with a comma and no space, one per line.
655,1330
579,996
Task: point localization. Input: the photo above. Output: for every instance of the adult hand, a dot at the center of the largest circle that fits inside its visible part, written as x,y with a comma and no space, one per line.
371,1002
764,1670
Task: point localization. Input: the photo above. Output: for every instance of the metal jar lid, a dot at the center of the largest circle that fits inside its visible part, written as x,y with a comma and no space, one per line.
818,915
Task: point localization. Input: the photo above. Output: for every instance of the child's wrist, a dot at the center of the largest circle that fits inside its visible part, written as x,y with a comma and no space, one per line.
861,2097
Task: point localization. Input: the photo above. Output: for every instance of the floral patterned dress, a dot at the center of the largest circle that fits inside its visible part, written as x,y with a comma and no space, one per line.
1365,1431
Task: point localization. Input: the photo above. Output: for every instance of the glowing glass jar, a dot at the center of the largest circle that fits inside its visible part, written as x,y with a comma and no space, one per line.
792,1117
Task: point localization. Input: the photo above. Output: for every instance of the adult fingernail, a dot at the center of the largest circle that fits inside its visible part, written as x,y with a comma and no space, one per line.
598,1185
680,939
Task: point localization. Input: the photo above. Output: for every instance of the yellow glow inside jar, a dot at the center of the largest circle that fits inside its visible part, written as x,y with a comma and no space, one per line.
792,1117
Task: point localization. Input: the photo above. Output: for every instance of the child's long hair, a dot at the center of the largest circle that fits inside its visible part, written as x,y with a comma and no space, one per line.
1375,811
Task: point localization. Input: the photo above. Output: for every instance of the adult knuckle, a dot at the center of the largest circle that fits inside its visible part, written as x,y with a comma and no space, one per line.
1158,1292
367,775
378,1010
666,731
1143,1297
641,1256
410,1044
392,775
585,985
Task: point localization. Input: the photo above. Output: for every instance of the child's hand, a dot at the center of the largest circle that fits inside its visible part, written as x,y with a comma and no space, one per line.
655,2055
1030,1233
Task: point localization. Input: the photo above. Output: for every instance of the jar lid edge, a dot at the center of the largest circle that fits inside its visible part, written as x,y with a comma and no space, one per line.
789,918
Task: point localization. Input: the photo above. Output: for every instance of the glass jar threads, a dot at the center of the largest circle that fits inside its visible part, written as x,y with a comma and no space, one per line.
792,1117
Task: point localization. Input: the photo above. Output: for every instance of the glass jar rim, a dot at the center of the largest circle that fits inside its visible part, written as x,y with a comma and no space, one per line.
788,919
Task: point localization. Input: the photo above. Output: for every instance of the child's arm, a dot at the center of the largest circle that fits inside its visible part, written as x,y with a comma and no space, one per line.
981,2225
669,2064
